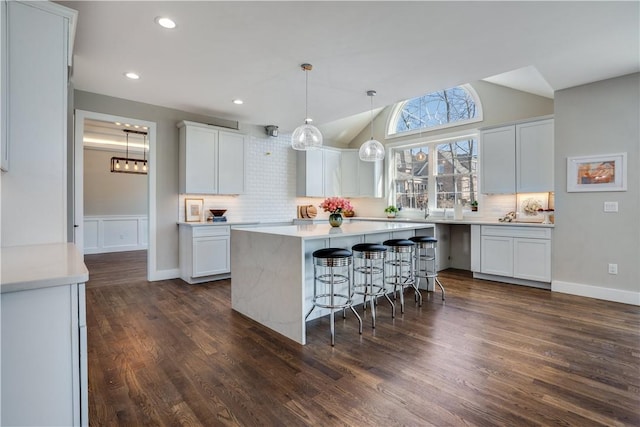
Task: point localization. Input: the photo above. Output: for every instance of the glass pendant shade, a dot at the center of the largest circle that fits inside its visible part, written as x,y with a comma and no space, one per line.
306,137
421,156
371,151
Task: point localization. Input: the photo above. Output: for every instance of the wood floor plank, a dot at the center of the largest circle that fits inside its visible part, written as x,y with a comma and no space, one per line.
167,353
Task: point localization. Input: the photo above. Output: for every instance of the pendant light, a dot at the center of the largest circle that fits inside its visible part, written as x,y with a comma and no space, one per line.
140,166
306,137
421,156
371,150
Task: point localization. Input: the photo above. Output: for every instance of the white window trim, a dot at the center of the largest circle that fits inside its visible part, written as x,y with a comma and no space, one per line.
393,117
420,142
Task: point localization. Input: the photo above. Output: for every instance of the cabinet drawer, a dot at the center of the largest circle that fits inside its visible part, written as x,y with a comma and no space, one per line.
213,230
515,231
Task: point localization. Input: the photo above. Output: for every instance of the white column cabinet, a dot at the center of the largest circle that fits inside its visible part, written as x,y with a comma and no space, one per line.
332,173
517,158
205,252
35,59
211,160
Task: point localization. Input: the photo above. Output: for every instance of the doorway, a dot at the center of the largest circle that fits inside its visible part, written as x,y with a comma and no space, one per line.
87,120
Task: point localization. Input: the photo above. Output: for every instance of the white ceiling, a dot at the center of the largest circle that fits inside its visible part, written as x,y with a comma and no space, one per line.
253,50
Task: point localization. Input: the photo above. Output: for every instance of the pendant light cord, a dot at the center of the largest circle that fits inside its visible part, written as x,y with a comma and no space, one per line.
306,96
371,124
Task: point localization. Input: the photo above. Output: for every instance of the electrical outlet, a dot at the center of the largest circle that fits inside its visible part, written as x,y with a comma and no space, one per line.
611,206
613,268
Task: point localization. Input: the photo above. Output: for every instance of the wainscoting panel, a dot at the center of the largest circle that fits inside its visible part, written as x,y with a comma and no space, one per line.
115,233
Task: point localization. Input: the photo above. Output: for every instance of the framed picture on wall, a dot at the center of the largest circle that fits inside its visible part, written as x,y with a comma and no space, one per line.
193,210
597,173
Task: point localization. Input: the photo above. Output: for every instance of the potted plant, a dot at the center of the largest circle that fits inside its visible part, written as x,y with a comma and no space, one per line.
474,206
391,211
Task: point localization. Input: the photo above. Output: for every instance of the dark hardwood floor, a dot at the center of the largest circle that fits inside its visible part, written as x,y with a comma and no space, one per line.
168,353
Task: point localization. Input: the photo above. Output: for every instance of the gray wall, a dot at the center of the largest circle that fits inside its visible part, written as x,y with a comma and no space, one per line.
598,118
167,161
499,105
108,193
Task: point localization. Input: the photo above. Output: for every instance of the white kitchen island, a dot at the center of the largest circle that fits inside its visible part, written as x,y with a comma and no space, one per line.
272,267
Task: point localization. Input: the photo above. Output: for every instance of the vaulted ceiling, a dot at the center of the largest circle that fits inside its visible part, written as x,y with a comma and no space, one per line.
221,51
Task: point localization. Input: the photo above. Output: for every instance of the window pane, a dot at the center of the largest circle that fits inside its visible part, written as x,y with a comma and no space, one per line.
411,180
436,109
458,157
452,187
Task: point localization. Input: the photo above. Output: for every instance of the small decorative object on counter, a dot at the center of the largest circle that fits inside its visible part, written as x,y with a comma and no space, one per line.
349,214
474,206
508,217
531,206
547,215
391,211
335,206
335,219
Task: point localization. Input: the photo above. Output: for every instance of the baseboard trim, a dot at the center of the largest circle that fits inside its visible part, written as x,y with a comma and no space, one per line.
598,292
173,273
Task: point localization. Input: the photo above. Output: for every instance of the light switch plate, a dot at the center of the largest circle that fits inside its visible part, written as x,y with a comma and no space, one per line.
611,206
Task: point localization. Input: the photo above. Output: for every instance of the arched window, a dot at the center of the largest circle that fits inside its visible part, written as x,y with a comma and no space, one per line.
436,110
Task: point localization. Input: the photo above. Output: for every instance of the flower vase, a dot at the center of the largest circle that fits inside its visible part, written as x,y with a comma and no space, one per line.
335,219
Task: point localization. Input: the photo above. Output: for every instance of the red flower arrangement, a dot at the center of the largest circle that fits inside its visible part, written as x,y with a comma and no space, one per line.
336,205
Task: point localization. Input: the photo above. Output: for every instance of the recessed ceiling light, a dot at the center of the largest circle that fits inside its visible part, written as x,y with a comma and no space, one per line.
238,101
165,22
131,75
118,123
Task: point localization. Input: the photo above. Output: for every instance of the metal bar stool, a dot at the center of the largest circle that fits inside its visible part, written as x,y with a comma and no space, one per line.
368,269
331,268
399,268
425,258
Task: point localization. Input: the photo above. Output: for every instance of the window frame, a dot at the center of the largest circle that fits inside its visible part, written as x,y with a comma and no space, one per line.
392,119
432,142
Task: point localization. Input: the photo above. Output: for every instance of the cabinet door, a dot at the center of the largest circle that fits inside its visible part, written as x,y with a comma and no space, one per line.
498,166
211,256
496,255
198,161
532,259
310,173
40,332
370,178
349,173
231,173
332,173
534,157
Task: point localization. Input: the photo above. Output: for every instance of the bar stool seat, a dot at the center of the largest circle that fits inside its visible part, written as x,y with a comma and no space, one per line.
332,269
399,268
368,268
425,260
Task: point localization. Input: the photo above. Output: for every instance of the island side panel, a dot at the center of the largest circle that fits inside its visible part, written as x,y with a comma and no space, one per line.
267,281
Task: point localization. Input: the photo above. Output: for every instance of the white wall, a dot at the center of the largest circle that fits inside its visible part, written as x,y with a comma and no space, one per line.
598,118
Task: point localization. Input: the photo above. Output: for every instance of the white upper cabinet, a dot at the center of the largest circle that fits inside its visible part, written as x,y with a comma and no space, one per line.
517,158
498,154
319,173
360,179
211,160
231,166
534,157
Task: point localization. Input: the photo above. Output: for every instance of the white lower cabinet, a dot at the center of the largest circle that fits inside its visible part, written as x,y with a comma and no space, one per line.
205,253
44,366
518,252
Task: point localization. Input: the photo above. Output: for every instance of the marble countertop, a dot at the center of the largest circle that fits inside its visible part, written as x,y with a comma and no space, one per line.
324,230
210,223
41,266
473,220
